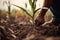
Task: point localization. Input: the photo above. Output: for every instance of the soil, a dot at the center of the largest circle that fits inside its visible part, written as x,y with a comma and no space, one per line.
22,29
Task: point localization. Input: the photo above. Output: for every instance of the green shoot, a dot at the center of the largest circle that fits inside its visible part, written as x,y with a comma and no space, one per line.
9,6
23,10
32,4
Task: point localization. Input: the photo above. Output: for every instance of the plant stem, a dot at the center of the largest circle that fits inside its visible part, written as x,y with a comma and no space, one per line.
9,8
33,19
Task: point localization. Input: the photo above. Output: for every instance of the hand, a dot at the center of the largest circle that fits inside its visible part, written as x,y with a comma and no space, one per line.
39,21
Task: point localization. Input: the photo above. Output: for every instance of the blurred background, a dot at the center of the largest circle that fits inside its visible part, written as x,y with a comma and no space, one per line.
17,11
20,3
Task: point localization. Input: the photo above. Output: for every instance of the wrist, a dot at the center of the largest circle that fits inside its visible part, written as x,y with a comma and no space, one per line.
42,12
46,8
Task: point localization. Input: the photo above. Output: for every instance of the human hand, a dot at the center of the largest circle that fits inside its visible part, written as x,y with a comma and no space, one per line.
39,21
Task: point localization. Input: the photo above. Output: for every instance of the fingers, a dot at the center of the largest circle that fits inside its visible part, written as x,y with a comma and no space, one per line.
38,22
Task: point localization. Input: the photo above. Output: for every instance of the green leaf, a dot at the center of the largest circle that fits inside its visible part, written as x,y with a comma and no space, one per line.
30,2
34,5
23,10
36,10
9,8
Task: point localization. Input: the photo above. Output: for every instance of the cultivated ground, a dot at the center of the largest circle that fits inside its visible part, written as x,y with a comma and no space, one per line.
21,29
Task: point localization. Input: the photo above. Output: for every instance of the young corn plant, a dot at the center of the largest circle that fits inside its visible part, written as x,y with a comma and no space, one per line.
32,4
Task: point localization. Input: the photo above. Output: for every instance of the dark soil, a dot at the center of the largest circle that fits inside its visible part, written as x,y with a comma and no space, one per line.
22,29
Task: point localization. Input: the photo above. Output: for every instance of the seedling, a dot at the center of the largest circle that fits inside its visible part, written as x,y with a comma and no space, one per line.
9,6
32,4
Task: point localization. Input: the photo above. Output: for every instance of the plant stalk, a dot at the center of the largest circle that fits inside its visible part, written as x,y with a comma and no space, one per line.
9,8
